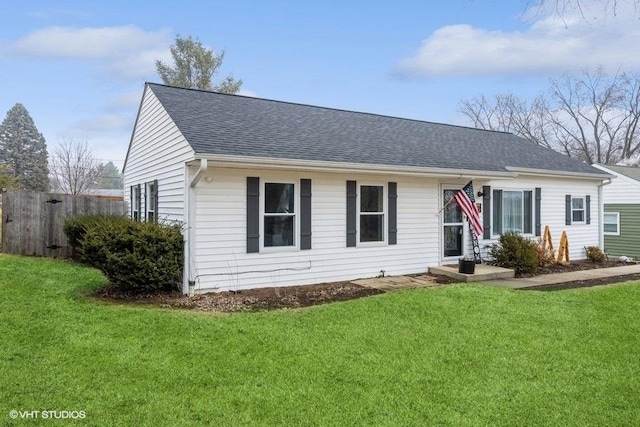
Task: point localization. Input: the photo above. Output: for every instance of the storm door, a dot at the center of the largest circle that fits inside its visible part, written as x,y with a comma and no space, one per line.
452,225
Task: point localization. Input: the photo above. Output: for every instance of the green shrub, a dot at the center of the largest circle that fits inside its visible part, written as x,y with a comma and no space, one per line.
76,229
136,256
594,254
516,252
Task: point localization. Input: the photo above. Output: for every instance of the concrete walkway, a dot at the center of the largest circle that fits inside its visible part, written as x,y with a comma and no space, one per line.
551,279
390,283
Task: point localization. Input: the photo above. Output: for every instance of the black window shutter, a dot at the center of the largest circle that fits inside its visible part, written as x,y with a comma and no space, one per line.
486,211
352,212
538,210
588,210
497,211
155,199
139,202
253,214
527,217
132,201
305,214
567,209
393,213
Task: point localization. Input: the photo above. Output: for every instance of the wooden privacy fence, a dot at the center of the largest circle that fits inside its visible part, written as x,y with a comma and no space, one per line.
32,222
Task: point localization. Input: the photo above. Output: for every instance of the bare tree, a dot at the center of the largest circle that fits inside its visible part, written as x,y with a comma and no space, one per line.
563,8
74,168
593,116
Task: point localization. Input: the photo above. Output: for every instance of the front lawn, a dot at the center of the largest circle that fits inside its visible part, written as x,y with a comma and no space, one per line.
457,355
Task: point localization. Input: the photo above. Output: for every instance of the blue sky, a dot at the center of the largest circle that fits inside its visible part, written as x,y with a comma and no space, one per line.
79,67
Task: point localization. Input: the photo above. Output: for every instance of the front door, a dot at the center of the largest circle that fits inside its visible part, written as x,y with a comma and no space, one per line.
452,225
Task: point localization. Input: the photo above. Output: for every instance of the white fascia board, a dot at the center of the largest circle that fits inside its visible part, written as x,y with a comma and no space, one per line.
244,162
559,174
619,176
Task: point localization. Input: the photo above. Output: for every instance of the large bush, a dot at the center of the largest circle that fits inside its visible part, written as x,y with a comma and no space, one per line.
135,256
516,252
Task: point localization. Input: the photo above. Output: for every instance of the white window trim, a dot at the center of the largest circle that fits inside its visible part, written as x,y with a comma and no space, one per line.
533,211
296,215
147,202
136,202
465,230
384,213
584,210
609,233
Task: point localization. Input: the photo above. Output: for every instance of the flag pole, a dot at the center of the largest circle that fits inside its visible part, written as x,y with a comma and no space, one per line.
450,200
445,206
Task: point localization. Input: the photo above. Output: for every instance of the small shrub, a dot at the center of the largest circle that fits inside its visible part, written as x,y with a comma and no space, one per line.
594,254
546,256
136,256
516,252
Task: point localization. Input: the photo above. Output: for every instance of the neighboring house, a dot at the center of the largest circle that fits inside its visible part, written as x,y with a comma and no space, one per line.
274,193
621,217
106,192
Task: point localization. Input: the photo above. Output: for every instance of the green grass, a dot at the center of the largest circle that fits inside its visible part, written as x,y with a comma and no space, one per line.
461,355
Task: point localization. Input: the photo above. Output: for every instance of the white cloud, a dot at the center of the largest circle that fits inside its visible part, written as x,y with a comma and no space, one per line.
570,41
126,51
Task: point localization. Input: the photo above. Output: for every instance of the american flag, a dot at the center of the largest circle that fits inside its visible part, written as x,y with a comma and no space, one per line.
467,202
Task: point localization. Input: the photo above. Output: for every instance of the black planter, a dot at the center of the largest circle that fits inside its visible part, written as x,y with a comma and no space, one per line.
466,267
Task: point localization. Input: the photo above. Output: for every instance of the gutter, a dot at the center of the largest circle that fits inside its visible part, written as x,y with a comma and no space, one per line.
563,174
243,162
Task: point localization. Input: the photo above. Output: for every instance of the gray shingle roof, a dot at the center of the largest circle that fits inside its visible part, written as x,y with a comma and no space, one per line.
215,123
632,172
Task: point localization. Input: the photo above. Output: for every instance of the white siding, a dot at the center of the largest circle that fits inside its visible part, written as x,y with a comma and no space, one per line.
622,189
552,209
221,261
158,151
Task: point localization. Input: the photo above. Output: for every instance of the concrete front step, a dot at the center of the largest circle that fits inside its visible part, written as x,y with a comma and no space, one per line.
482,272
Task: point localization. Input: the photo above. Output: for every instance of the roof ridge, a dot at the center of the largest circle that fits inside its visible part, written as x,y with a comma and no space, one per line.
328,108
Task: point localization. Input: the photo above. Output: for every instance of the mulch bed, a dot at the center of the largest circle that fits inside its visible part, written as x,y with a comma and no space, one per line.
305,296
248,300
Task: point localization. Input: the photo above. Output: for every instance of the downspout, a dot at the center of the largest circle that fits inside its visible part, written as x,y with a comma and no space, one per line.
201,171
601,213
189,286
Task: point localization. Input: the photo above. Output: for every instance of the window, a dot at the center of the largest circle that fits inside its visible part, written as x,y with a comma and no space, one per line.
513,211
612,223
371,213
279,214
136,202
151,202
577,209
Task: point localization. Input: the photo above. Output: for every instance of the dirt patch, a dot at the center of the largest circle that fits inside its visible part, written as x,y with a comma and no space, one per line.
583,283
250,299
305,296
575,266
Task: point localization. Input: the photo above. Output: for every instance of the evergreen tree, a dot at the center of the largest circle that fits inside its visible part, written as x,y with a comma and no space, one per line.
7,180
24,150
109,177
